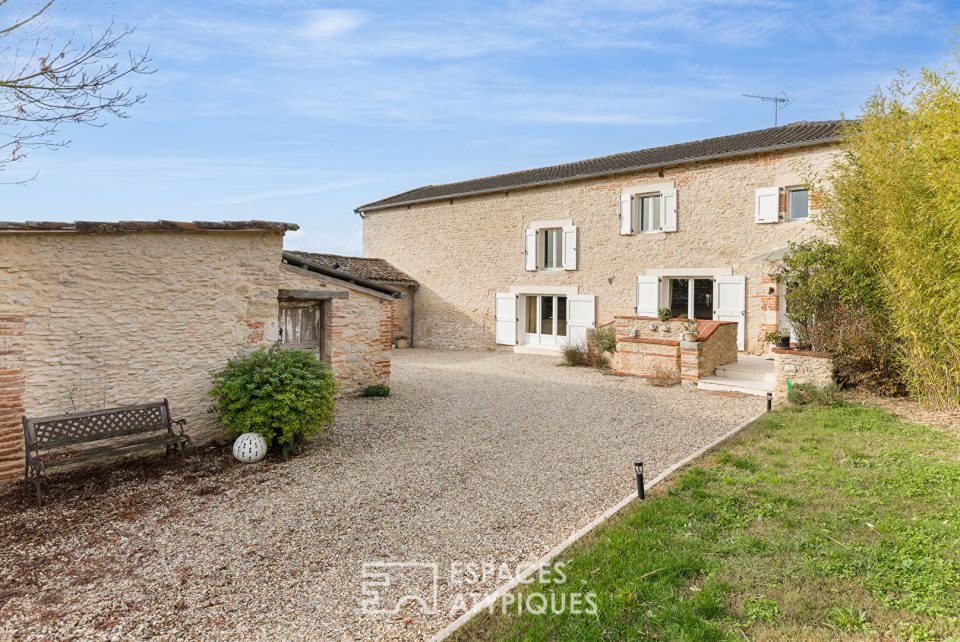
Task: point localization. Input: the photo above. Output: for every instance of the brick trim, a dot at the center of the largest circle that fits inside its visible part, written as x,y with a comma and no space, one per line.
12,383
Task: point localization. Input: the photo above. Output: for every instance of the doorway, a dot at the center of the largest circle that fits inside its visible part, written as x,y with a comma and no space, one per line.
691,298
545,320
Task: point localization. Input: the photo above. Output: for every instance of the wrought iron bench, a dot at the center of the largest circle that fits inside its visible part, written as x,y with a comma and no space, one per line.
51,442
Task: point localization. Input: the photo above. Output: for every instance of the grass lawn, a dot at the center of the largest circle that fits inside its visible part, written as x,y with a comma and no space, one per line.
813,524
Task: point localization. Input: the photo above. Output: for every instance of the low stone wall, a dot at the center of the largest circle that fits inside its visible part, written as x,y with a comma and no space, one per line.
643,357
800,366
658,347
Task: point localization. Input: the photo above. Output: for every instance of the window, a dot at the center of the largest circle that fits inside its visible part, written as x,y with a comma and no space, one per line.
646,212
552,248
545,320
691,298
798,204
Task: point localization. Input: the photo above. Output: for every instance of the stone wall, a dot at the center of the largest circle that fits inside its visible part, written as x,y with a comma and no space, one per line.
403,318
800,366
464,251
11,395
358,330
647,347
94,320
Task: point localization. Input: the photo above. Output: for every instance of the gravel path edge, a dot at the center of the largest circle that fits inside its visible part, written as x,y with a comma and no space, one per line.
492,598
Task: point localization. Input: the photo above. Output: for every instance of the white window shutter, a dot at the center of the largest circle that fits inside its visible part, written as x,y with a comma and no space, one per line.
626,218
581,316
648,296
767,205
731,298
570,247
668,207
505,311
530,250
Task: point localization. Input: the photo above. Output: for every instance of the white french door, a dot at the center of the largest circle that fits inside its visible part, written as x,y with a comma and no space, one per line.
545,320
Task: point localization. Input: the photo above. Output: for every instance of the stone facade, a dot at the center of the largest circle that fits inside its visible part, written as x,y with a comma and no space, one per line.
800,366
94,320
465,250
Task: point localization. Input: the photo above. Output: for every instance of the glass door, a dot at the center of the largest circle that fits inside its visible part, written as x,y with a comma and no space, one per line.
545,320
691,298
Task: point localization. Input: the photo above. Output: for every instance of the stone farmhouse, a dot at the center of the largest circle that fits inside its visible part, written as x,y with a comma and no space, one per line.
98,315
534,259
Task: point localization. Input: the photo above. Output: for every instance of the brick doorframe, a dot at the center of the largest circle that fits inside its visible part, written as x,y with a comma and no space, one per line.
11,396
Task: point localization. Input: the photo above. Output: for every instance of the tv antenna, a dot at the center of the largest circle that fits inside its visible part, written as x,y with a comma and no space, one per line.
779,102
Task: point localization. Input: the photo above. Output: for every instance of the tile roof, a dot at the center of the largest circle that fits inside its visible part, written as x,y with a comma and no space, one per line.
145,226
364,268
800,134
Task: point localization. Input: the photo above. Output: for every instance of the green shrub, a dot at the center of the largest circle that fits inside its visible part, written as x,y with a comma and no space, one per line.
285,395
605,339
835,304
664,314
376,390
576,356
808,394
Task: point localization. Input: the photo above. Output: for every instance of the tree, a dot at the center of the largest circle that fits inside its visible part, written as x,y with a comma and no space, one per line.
45,84
892,210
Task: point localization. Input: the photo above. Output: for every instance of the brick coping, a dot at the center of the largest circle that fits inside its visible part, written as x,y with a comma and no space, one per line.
662,342
801,353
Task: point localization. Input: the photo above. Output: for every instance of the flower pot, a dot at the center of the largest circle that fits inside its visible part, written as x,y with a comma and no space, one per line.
664,327
403,343
654,326
690,336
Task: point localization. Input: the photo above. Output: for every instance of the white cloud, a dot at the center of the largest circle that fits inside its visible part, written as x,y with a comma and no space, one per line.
323,24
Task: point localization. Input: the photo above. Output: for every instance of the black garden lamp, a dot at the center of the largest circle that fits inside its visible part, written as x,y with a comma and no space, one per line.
638,469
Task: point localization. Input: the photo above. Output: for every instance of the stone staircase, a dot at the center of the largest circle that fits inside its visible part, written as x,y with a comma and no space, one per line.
750,375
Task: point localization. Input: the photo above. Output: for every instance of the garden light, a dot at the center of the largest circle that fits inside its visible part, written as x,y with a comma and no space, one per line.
638,469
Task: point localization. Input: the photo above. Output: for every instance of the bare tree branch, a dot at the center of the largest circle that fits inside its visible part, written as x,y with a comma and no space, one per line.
44,84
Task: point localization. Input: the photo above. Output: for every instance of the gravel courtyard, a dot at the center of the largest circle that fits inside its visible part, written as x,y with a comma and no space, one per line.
477,458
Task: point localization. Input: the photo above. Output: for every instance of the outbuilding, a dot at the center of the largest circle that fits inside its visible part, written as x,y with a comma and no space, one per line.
96,315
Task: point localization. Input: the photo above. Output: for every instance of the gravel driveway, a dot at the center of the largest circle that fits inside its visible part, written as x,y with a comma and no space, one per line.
477,458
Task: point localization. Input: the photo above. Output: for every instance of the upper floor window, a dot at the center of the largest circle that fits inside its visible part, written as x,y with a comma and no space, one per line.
550,245
798,203
646,212
552,248
648,208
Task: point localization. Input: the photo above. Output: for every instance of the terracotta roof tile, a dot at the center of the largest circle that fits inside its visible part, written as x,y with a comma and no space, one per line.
362,267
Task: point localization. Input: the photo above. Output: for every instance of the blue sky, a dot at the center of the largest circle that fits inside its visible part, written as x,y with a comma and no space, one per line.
300,111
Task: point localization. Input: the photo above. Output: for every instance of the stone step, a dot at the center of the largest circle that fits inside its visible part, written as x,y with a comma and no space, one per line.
750,387
733,371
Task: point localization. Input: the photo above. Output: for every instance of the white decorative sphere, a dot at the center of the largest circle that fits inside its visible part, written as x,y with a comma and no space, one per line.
250,447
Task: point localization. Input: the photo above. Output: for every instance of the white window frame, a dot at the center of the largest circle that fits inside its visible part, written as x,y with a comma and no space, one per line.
563,227
640,191
787,192
636,212
543,237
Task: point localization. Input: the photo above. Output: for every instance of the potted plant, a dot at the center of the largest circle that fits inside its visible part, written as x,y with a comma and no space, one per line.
401,342
691,330
777,339
664,314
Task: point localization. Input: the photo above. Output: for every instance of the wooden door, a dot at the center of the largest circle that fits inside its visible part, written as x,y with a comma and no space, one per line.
301,325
